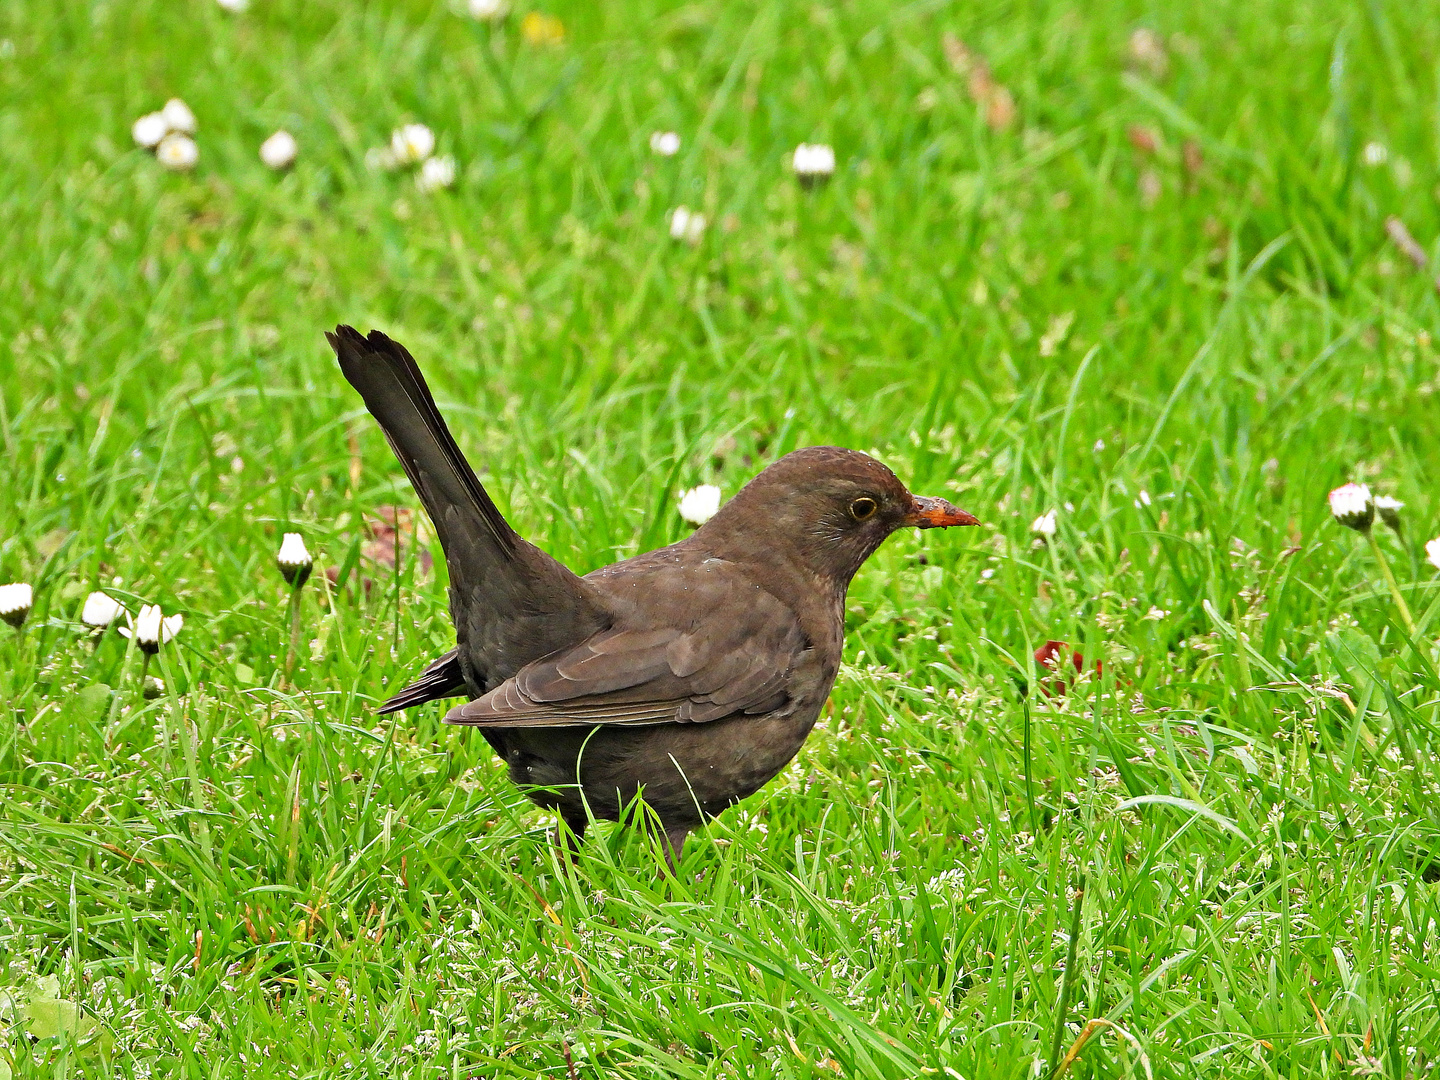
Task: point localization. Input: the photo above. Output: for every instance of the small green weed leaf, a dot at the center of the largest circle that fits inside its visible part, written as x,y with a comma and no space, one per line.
1354,650
50,1018
91,702
47,1017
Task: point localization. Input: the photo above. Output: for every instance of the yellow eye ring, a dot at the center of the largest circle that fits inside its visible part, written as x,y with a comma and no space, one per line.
863,508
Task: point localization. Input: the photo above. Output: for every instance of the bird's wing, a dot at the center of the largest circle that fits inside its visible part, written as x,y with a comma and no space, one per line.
718,664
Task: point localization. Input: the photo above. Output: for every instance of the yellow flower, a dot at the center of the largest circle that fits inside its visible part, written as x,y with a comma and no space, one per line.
541,29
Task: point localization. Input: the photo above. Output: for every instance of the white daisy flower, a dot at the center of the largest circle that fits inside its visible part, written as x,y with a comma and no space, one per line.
16,600
436,173
177,152
178,117
1432,552
149,130
699,504
100,610
279,151
1044,525
153,629
489,10
687,225
412,144
665,143
1353,506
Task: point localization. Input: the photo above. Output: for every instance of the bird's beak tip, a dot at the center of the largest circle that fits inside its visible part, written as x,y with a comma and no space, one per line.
928,513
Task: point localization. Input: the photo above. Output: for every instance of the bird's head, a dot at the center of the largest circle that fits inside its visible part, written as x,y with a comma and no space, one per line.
829,509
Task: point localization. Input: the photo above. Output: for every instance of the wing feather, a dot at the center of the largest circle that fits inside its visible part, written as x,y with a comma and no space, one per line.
703,670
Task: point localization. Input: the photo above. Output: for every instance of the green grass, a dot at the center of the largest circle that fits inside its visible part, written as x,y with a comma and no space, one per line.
244,877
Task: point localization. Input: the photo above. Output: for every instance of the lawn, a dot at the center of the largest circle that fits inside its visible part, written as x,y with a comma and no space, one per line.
1142,280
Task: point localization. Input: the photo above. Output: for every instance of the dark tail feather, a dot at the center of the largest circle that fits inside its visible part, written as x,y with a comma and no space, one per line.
395,392
441,679
511,602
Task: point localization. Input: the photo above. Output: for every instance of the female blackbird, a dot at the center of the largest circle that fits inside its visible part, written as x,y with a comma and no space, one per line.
689,675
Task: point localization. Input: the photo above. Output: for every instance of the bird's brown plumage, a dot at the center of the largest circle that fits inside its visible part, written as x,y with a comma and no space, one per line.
691,674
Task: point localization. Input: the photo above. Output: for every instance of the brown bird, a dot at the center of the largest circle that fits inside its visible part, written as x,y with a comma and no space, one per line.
689,675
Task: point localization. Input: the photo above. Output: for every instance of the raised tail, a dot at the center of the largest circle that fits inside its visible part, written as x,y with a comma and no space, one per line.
511,603
397,396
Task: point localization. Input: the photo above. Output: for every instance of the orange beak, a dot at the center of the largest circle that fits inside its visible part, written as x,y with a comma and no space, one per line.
936,514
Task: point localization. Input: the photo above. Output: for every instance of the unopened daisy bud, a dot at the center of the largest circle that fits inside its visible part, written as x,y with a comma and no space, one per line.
436,173
100,610
1432,552
813,163
412,143
699,504
1044,525
153,688
1353,507
15,603
294,560
178,117
295,564
153,629
1388,510
279,151
664,143
177,152
149,130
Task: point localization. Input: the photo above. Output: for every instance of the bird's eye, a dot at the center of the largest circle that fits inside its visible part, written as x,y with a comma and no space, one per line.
863,508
